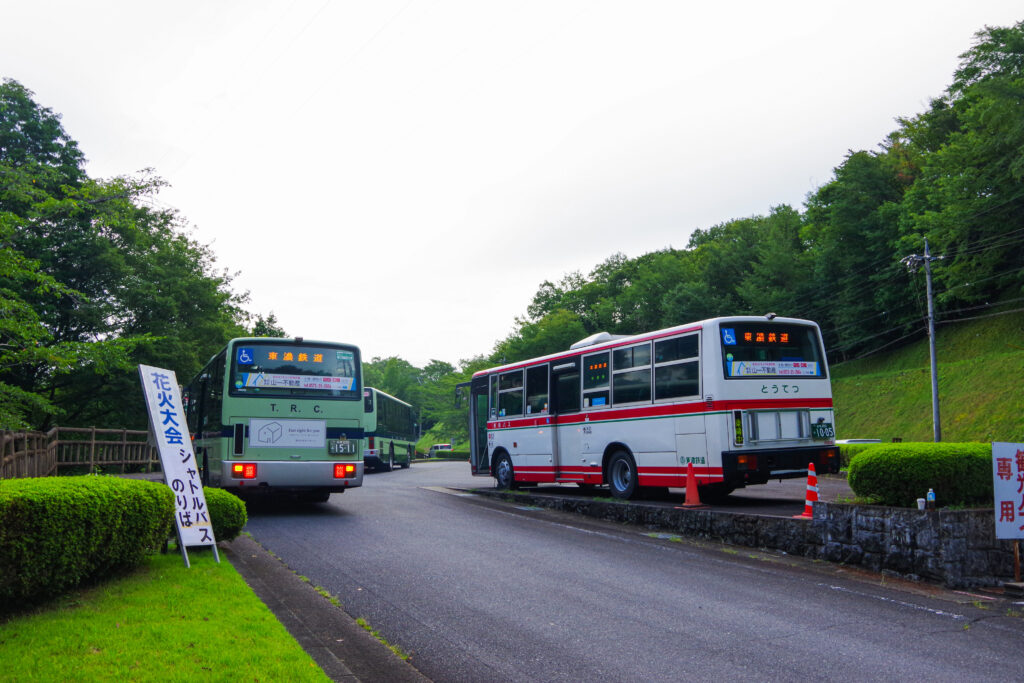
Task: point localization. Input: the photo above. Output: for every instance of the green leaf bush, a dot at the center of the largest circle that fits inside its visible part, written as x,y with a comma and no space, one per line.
227,513
58,532
898,474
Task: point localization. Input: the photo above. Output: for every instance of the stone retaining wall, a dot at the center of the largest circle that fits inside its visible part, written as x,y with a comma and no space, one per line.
955,547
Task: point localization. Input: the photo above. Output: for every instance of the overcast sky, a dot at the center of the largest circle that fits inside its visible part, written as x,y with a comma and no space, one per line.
403,174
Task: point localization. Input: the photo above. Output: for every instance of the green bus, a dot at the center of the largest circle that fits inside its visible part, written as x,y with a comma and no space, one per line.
390,430
279,416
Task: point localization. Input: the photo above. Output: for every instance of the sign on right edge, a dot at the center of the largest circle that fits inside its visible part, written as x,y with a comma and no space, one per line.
1008,487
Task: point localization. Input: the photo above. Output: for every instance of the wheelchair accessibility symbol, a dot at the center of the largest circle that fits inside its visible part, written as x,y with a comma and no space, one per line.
245,356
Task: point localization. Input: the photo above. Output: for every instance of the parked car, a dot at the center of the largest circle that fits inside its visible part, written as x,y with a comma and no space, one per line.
439,449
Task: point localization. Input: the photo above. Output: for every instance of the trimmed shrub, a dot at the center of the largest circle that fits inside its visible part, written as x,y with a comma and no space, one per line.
227,513
899,474
58,532
848,451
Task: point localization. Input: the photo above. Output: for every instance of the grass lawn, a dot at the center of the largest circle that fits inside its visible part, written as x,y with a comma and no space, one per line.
162,622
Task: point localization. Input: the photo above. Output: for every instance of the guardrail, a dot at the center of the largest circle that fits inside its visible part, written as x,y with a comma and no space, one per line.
70,450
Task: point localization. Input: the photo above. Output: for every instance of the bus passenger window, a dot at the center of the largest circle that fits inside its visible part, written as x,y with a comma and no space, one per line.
537,390
510,394
632,374
596,380
567,392
676,368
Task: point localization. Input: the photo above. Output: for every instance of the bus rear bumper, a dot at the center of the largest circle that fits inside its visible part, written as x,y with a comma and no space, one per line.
292,477
740,468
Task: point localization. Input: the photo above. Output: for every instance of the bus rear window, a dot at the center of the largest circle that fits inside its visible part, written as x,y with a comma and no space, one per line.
759,350
275,369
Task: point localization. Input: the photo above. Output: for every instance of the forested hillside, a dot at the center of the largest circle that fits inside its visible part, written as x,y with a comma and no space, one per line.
888,396
95,280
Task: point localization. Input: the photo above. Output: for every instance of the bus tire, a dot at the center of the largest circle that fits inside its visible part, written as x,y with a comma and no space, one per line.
504,475
622,476
391,459
408,459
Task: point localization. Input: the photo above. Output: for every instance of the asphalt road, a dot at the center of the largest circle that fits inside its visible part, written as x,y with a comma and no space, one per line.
479,590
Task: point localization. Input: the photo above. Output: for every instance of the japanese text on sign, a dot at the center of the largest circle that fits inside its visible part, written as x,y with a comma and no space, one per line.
1008,486
167,419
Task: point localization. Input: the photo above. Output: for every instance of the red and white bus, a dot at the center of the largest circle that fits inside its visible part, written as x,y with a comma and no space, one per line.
745,399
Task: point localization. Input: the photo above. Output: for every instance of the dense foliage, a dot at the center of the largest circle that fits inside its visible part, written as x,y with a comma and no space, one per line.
228,514
58,532
899,474
93,279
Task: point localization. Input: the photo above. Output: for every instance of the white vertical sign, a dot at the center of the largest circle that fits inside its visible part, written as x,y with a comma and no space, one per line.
1008,487
167,424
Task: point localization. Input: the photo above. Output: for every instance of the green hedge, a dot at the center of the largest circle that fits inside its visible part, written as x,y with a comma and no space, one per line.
898,474
227,513
58,532
848,451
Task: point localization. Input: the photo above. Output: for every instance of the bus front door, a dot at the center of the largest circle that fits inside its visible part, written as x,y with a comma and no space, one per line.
479,458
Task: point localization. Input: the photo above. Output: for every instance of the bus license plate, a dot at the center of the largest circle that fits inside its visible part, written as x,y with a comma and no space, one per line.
822,430
341,447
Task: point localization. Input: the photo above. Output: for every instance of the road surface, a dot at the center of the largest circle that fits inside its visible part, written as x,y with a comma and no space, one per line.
479,590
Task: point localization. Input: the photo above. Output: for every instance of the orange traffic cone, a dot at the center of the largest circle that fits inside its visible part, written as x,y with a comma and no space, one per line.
812,494
692,496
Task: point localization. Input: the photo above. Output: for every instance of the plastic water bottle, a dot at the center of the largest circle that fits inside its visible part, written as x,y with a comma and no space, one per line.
931,499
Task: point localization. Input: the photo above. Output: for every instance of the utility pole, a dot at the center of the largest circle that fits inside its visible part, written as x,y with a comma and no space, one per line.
912,262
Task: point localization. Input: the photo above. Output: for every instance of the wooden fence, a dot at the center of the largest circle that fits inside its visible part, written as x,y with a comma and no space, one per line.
76,450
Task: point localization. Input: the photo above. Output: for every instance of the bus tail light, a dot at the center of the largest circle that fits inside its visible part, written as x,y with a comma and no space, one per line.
344,470
746,461
738,422
243,470
828,459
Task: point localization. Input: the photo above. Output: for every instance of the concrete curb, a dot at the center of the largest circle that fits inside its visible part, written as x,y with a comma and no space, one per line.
342,648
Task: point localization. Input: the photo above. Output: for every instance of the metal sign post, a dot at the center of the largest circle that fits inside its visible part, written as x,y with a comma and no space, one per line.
170,433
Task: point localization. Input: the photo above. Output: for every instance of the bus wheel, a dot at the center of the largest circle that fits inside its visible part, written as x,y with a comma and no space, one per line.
391,459
503,473
408,460
622,475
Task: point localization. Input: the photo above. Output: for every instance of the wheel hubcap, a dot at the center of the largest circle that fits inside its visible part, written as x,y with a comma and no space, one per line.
622,475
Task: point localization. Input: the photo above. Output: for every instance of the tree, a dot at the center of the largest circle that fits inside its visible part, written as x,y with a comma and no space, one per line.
267,327
969,198
127,285
556,331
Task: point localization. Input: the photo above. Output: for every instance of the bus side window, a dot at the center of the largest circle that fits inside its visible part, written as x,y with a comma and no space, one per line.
596,380
567,392
676,368
537,390
632,374
510,394
494,397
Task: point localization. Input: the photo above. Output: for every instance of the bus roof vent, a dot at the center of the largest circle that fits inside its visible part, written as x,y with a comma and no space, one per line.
599,338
